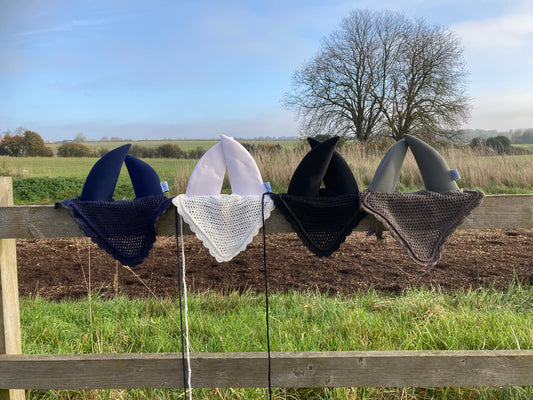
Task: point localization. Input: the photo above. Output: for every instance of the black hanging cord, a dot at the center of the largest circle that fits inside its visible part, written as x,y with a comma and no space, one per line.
266,297
185,385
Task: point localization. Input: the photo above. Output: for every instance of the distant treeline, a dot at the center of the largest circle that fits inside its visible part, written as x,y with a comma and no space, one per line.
497,144
516,136
522,137
26,143
167,150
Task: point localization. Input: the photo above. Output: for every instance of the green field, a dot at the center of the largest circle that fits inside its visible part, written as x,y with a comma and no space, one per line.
185,145
524,146
79,167
414,320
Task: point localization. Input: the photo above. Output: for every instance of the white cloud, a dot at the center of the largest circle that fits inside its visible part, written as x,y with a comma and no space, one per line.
511,32
499,52
503,112
69,26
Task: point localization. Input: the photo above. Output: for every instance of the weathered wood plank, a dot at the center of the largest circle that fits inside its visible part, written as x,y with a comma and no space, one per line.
240,370
502,212
10,341
24,222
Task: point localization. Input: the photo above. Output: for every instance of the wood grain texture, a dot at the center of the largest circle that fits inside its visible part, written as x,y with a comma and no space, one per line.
241,370
25,222
10,341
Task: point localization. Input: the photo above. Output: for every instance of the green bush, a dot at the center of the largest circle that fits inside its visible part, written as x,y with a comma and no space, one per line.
124,191
501,144
50,190
169,150
45,190
142,152
73,149
28,144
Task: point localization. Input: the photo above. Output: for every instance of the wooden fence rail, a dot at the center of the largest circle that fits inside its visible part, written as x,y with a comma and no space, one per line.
27,222
245,370
309,369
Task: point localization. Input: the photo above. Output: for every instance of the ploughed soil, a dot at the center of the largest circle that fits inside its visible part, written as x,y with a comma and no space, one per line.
72,268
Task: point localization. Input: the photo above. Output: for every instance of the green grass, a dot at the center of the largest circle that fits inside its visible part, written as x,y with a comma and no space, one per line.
38,167
528,146
415,320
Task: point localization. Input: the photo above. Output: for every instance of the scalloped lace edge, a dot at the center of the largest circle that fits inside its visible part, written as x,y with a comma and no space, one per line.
213,250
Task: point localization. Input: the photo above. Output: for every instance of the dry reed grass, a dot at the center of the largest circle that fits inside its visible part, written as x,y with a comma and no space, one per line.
491,173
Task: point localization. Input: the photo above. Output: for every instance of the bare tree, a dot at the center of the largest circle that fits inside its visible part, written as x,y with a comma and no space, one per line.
426,85
334,92
381,75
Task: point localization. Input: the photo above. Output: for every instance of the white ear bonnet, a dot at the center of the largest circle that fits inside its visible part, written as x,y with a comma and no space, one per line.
225,223
208,175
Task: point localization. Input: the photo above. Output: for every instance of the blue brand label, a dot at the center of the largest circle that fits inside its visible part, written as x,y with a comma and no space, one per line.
455,174
164,186
267,187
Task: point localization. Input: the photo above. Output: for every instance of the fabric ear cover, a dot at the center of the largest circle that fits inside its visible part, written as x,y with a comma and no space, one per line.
388,171
144,179
102,179
208,174
433,168
339,178
310,173
243,173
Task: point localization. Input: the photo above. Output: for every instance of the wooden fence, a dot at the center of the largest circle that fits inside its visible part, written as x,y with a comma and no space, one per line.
239,370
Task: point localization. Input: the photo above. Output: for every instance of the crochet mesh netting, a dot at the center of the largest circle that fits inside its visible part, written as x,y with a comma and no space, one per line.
124,229
322,223
225,223
422,221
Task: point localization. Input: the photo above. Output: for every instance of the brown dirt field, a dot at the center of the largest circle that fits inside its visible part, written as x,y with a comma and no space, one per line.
66,268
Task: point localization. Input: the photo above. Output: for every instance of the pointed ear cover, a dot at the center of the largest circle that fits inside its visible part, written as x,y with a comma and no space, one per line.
102,179
124,229
208,174
339,178
225,224
422,221
433,168
144,179
243,173
388,171
310,173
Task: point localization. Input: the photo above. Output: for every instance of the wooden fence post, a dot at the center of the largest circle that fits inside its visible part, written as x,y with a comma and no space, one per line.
10,342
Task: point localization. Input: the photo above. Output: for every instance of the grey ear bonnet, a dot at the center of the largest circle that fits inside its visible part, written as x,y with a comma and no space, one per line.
388,172
421,221
433,168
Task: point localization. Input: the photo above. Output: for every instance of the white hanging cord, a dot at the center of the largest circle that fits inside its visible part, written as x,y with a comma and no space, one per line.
186,311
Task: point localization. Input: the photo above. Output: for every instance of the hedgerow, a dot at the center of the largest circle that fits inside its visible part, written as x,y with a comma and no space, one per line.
47,190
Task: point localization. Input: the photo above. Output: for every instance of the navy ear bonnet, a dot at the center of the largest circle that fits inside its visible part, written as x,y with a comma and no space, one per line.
321,216
123,228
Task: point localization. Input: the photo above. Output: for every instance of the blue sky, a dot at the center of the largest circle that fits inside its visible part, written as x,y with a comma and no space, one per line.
197,68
